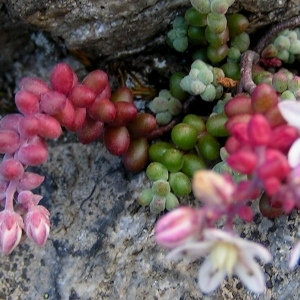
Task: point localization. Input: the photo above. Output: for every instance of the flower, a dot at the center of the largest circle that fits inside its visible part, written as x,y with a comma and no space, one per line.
227,254
179,226
290,110
294,154
37,224
212,188
11,225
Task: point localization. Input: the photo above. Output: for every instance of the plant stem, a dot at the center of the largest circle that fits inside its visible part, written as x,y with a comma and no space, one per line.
10,192
246,83
252,57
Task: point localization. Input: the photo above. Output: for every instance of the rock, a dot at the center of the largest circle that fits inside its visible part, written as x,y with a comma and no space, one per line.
118,28
112,28
102,246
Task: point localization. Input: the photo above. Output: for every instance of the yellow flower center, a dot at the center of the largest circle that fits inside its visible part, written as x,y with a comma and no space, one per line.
224,256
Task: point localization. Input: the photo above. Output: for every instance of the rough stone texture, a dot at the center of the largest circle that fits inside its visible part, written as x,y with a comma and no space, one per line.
102,247
101,244
115,28
101,27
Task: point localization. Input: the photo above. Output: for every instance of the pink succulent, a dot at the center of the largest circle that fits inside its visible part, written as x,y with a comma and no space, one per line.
11,225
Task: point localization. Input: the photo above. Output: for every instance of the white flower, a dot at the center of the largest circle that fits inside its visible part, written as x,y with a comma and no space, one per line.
227,254
294,154
290,110
294,257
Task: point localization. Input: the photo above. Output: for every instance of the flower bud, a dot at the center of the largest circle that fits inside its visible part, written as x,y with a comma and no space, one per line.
30,181
212,188
11,225
179,226
37,224
26,198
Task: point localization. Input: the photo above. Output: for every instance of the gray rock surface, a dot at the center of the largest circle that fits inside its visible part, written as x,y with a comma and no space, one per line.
102,246
117,28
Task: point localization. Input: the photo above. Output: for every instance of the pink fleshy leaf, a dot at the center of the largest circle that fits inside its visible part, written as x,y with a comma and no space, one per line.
259,131
49,126
9,141
27,102
11,169
30,181
62,78
29,126
34,85
53,102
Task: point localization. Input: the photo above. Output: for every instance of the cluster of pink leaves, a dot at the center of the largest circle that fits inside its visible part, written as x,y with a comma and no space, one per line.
44,110
258,146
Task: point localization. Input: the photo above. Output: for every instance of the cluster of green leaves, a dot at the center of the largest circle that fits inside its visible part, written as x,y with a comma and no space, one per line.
165,107
203,80
215,42
192,146
286,83
285,46
213,33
